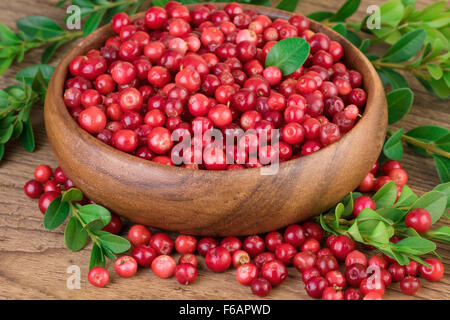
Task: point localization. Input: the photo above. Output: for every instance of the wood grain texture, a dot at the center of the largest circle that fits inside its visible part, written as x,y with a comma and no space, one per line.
34,261
217,203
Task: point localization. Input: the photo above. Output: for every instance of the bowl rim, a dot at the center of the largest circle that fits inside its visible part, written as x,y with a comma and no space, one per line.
62,70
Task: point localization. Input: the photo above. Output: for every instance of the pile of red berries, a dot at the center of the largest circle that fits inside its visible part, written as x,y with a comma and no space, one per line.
185,72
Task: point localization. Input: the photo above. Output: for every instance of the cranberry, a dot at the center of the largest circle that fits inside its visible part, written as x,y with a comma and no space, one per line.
261,287
285,252
144,255
356,257
125,140
433,273
399,176
378,261
274,271
33,189
386,277
412,269
355,274
309,274
164,266
123,73
373,296
188,258
139,235
293,133
98,276
330,293
362,203
272,240
390,165
370,285
125,266
239,258
326,264
397,272
313,230
47,198
368,183
246,274
311,245
43,173
185,273
185,244
342,246
119,20
304,260
162,243
352,294
410,285
51,185
206,244
158,76
218,259
418,219
232,244
254,245
316,286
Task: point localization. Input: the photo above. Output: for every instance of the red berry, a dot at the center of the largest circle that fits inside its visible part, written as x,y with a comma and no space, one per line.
356,257
246,274
326,264
274,271
352,294
435,273
232,244
160,140
419,220
162,243
185,244
42,173
316,286
46,198
188,258
399,176
125,266
412,269
98,276
309,274
261,287
355,274
367,184
263,258
144,255
370,285
362,203
206,244
397,272
313,230
373,296
185,273
139,235
304,260
285,252
155,18
33,189
254,245
218,259
294,235
342,246
335,279
240,257
164,266
410,285
330,293
390,165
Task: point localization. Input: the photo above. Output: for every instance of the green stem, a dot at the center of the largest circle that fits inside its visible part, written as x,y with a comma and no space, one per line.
65,37
110,5
75,213
428,147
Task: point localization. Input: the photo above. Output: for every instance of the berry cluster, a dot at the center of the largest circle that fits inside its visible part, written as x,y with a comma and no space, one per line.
185,72
261,262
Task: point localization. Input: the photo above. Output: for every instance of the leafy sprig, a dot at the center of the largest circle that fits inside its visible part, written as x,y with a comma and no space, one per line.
16,102
85,221
376,227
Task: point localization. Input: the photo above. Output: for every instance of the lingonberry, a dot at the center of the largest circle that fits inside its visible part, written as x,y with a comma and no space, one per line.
160,140
399,176
114,226
163,266
362,203
355,274
311,245
397,272
326,264
185,273
240,257
369,285
188,258
373,296
218,259
352,294
123,73
323,252
385,277
254,245
158,76
46,198
98,276
293,133
139,235
246,274
125,266
356,257
331,293
304,260
162,243
335,279
433,273
33,189
125,140
43,173
220,115
185,244
144,255
232,244
261,287
274,271
418,219
342,246
51,185
410,285
206,244
285,252
309,274
316,286
412,269
272,240
390,165
313,230
368,183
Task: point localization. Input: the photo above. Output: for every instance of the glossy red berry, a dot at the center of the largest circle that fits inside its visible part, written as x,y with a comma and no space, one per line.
185,273
188,258
261,287
355,274
218,259
274,271
42,173
46,198
144,255
352,294
433,273
206,244
316,286
162,243
326,264
342,246
125,266
33,189
419,220
254,245
362,203
164,266
246,274
139,235
98,276
304,260
185,244
356,257
285,252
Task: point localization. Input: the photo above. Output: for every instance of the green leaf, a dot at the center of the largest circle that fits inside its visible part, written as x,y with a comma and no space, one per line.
379,233
288,54
50,51
5,64
7,37
440,88
407,47
434,202
94,225
442,167
288,5
72,195
97,257
444,188
18,128
386,196
429,12
435,71
353,231
426,134
325,226
27,136
407,197
6,133
93,212
159,3
93,22
399,103
440,234
114,243
320,15
2,151
39,27
30,73
391,13
347,9
340,28
353,38
74,235
393,214
393,148
415,245
369,214
338,211
364,45
55,214
395,79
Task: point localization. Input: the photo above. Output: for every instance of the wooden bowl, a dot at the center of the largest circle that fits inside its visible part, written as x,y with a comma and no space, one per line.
217,203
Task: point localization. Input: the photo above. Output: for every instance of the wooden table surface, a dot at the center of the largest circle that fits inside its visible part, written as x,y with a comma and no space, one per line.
34,262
